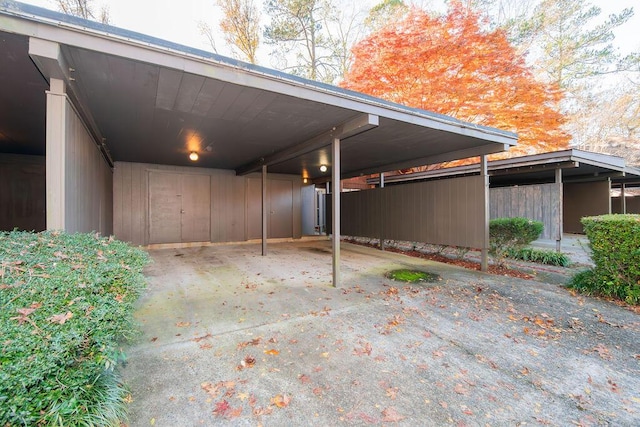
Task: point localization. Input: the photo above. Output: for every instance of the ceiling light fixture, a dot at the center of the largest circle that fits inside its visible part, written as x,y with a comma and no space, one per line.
193,156
323,168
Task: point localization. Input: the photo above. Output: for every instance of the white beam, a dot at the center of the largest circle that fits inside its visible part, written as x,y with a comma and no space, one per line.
56,149
484,253
335,210
560,211
354,126
264,210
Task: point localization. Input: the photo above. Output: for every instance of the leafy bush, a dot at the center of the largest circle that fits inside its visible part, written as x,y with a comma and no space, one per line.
66,302
615,249
507,234
541,256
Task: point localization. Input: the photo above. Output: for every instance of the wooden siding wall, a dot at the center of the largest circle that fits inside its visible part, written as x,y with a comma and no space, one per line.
584,199
22,192
633,205
540,202
447,212
88,180
231,205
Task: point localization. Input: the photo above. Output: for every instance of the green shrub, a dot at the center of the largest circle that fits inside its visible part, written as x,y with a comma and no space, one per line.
507,234
541,256
66,303
615,250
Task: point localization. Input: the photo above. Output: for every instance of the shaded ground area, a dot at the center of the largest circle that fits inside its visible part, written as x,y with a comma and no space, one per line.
231,337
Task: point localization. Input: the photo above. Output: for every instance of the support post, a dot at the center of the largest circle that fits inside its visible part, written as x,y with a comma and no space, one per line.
484,253
623,200
264,210
381,212
335,210
560,212
56,149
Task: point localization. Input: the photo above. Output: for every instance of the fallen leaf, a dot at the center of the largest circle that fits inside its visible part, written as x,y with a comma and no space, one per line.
212,390
204,337
272,352
459,388
253,342
304,379
222,407
61,318
390,415
183,324
365,349
281,401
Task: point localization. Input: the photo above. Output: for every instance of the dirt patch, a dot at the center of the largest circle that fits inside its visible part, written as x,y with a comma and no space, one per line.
471,265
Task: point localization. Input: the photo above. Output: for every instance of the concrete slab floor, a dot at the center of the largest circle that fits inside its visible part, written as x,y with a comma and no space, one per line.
234,338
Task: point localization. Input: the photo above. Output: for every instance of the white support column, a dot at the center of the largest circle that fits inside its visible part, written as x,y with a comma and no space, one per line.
56,151
381,213
623,200
335,210
264,210
609,193
484,253
560,212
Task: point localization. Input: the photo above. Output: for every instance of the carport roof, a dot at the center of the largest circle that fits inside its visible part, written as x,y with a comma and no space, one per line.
576,165
153,101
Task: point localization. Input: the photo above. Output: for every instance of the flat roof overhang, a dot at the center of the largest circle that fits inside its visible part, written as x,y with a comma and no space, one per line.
152,101
576,165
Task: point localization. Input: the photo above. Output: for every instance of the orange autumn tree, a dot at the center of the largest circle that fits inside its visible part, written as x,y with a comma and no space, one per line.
453,65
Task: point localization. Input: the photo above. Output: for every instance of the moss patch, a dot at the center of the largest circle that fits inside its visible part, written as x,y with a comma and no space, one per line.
412,276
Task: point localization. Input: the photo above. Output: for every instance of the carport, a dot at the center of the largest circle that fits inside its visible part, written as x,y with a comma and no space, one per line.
557,188
98,101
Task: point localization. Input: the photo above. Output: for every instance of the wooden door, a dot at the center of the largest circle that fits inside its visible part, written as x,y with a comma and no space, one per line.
281,208
179,208
196,208
164,208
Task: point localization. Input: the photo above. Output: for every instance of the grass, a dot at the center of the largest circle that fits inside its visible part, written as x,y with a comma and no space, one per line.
412,276
66,307
540,256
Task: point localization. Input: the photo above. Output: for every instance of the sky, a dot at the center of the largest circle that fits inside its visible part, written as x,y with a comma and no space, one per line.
178,21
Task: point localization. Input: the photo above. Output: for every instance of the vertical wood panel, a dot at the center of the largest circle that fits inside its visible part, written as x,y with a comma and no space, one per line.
440,212
88,179
539,202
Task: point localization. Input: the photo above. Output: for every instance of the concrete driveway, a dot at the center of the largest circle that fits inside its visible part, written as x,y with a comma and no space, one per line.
234,338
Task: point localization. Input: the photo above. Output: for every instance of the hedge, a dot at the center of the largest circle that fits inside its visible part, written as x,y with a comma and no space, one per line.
508,234
67,304
615,250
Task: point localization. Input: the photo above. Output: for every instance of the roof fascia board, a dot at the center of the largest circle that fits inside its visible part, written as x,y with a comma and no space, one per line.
80,37
355,126
429,160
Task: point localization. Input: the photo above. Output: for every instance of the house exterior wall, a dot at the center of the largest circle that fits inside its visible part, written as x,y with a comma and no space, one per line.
633,205
79,182
235,206
88,180
446,212
584,199
540,202
22,192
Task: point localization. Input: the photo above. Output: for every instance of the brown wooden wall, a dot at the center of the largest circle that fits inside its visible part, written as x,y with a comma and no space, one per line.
22,192
235,212
541,202
88,180
584,199
447,212
633,205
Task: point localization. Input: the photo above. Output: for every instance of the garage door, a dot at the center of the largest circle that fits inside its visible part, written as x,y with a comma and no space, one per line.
179,208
